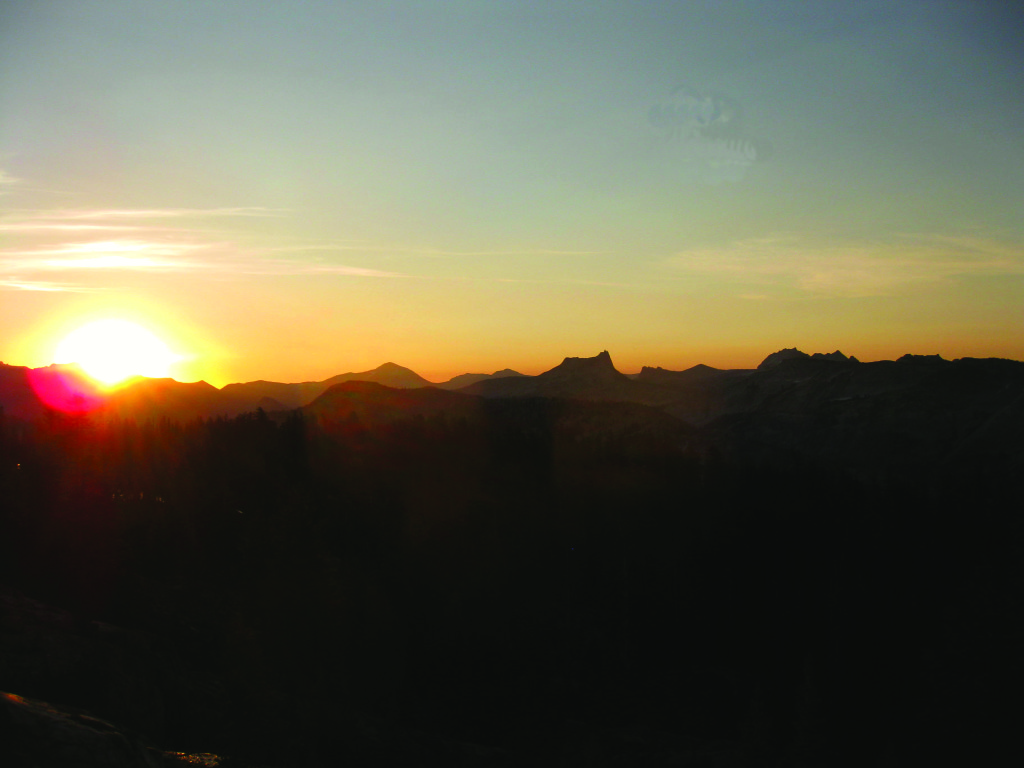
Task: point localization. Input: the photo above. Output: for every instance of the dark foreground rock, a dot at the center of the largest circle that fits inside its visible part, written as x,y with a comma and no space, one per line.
35,733
126,676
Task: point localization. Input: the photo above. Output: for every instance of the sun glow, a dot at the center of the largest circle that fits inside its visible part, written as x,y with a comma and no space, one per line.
113,350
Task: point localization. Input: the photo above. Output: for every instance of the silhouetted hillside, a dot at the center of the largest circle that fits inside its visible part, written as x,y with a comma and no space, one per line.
664,378
155,398
824,572
289,395
465,379
376,403
298,395
869,418
389,374
29,393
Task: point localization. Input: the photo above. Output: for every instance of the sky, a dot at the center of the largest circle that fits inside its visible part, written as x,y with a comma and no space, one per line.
291,190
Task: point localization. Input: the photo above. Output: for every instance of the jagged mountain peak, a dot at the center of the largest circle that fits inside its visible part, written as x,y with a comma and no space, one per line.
389,374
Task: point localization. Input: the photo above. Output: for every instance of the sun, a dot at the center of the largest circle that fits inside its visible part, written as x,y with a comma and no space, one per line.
113,350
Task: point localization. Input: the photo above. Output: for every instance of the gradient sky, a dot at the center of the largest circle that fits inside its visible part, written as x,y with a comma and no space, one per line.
290,190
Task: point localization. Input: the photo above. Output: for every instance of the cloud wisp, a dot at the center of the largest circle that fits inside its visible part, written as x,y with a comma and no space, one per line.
853,269
104,254
42,286
44,227
77,242
6,180
438,252
85,214
24,265
271,267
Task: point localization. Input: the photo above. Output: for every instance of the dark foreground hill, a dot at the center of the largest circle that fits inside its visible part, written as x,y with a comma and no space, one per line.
297,395
812,563
465,379
920,413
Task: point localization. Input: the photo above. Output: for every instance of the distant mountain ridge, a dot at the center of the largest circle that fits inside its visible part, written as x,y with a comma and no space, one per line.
664,377
465,379
389,374
296,395
586,378
793,403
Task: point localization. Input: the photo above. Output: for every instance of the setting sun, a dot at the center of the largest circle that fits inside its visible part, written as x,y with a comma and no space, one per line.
113,350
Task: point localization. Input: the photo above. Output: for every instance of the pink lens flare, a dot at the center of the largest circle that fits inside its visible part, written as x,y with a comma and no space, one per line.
65,389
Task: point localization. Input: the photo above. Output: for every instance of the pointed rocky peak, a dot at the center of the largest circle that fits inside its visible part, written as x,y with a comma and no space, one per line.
777,358
390,370
389,374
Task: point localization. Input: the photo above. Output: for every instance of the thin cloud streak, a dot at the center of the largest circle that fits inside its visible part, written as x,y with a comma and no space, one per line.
107,254
430,251
72,214
134,255
43,286
117,262
854,270
555,281
286,269
524,252
48,227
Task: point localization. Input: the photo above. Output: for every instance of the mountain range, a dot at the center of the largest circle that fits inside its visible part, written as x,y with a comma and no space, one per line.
28,393
794,406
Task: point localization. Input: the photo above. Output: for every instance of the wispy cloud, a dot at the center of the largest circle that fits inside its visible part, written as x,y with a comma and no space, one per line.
80,214
57,221
514,252
46,227
419,251
105,242
165,241
287,268
854,269
167,257
41,285
6,181
105,254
